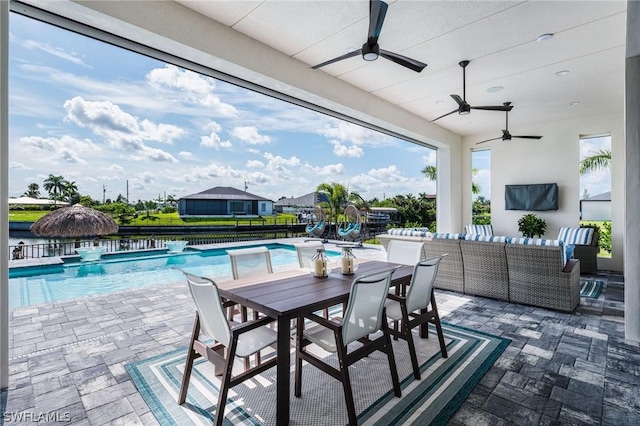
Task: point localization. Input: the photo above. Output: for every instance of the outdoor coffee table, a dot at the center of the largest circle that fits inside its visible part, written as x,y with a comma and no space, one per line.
290,294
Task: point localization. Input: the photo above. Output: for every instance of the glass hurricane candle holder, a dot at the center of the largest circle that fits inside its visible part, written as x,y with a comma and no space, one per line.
348,261
319,264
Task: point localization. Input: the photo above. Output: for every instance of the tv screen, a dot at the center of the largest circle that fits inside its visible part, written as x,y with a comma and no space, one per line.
534,197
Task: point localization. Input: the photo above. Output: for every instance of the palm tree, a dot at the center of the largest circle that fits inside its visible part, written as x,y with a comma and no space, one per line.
337,195
70,190
54,185
33,191
600,160
431,172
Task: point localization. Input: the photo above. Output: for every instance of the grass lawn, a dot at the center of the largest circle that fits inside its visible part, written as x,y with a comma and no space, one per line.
165,219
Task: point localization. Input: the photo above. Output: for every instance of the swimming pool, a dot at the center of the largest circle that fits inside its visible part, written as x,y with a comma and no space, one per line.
53,283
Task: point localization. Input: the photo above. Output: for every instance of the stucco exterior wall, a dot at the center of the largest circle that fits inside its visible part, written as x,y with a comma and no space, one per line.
554,158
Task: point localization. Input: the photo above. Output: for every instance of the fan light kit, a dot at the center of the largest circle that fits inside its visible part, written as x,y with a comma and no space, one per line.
495,89
506,136
574,104
370,51
562,73
463,107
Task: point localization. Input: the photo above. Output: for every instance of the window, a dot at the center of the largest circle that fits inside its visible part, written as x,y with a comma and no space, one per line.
481,187
595,186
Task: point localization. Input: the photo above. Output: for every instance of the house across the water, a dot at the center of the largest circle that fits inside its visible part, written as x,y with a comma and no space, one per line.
224,201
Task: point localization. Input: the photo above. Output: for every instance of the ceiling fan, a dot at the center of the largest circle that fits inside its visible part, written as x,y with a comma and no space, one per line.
370,51
463,107
506,136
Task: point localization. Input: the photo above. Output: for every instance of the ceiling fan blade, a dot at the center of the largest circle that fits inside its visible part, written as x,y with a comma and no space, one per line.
494,107
458,100
444,115
412,64
339,58
488,140
377,13
527,137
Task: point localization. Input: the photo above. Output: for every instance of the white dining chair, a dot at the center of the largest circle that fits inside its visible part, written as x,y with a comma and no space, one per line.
247,262
412,310
404,252
306,250
364,316
240,340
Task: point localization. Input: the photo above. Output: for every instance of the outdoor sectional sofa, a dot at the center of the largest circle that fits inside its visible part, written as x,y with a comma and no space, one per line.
519,270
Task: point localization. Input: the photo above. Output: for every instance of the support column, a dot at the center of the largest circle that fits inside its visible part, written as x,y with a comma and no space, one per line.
4,194
632,172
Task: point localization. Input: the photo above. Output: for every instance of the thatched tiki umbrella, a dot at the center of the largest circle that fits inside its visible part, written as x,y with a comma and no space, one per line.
74,222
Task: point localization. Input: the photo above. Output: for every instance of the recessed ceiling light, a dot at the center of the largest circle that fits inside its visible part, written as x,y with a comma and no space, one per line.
562,73
494,89
544,37
574,104
439,102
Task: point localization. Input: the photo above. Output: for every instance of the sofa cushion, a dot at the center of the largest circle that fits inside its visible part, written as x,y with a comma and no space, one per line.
410,232
479,229
571,235
448,236
567,252
490,238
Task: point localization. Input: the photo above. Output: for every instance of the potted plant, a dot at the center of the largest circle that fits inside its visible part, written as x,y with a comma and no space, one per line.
531,225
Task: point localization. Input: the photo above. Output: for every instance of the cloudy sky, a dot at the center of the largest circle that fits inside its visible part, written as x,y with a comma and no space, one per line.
101,116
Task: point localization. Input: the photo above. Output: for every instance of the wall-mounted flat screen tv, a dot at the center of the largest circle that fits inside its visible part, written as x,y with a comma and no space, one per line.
534,197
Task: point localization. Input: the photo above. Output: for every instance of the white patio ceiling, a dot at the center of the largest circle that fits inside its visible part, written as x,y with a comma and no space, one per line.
498,37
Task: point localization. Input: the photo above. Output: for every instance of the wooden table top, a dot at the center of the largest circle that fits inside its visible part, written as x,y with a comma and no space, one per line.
295,292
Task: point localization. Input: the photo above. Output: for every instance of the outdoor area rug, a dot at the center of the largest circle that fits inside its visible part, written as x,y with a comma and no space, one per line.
590,288
444,386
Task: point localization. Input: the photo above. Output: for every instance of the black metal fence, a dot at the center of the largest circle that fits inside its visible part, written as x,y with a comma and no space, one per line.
68,248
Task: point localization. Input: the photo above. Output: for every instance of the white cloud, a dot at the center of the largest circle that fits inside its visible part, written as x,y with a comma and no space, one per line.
193,87
18,166
186,155
58,52
431,158
255,164
122,130
115,168
326,170
67,148
213,140
354,134
346,150
250,135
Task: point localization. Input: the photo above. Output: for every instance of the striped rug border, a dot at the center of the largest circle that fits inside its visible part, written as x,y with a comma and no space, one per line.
591,288
432,400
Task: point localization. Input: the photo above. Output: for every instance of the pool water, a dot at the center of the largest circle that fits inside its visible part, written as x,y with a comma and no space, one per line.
47,284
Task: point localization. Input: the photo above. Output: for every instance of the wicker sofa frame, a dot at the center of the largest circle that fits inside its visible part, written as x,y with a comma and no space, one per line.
486,272
450,274
588,254
526,274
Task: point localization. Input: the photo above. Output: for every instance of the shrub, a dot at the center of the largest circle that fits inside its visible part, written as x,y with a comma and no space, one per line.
605,236
531,225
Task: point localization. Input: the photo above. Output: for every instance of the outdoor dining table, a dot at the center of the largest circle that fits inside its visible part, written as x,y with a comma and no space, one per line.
290,294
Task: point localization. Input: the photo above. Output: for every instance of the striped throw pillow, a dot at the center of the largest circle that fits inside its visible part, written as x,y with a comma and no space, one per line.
490,238
448,236
582,236
479,229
